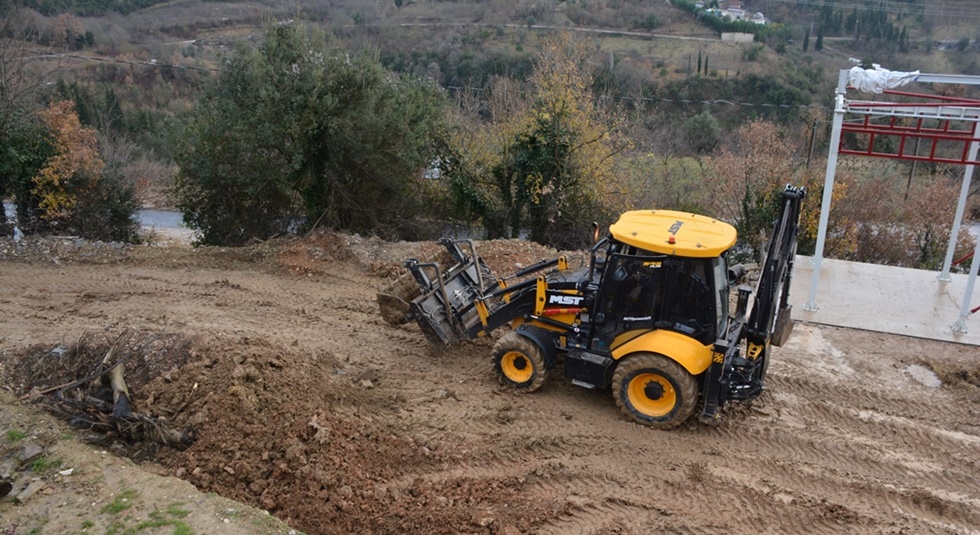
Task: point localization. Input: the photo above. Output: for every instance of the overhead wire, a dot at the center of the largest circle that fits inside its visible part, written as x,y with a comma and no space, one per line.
679,101
40,54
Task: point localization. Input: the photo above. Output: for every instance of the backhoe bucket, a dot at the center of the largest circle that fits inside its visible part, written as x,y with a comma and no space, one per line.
783,327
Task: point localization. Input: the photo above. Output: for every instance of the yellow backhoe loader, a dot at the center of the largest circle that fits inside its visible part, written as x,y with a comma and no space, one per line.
647,317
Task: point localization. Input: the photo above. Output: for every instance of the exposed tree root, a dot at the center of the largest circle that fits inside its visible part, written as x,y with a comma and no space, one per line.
101,402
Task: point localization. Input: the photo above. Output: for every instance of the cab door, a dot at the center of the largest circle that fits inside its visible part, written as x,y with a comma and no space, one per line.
691,302
631,298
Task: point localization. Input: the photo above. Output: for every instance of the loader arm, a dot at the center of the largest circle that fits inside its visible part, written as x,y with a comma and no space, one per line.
464,301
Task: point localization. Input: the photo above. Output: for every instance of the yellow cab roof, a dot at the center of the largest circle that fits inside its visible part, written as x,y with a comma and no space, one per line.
693,235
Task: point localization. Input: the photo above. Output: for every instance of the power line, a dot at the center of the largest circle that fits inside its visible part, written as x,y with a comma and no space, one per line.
39,54
685,102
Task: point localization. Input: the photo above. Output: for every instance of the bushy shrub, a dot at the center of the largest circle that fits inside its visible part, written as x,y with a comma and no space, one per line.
292,127
107,211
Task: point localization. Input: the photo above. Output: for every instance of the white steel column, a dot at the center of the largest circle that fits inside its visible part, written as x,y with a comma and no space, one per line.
828,189
960,208
971,282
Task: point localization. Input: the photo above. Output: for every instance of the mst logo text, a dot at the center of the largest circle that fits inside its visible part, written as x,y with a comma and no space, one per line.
561,299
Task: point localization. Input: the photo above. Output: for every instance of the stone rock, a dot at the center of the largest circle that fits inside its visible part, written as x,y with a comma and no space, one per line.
30,491
31,451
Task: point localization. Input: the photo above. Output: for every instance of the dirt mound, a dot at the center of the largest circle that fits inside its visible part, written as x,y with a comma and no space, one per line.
57,250
298,435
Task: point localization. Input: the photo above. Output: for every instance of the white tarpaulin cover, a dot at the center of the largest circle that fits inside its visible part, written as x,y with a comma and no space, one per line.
878,79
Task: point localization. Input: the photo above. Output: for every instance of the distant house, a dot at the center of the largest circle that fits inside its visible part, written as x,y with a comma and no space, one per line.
734,13
758,18
736,37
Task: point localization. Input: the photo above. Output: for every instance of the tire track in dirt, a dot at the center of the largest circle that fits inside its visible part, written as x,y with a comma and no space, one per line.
806,388
897,438
530,436
827,449
843,442
859,495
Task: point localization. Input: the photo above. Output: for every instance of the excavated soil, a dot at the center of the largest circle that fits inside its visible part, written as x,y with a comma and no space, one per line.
307,404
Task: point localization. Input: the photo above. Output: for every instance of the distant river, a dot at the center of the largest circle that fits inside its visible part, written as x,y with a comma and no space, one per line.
160,219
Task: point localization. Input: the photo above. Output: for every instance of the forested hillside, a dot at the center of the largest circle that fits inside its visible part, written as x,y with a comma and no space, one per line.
673,105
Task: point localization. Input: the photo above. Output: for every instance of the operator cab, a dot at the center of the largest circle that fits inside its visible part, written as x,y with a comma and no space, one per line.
662,270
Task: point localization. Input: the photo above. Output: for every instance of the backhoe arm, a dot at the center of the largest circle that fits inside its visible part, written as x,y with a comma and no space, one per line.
770,321
732,374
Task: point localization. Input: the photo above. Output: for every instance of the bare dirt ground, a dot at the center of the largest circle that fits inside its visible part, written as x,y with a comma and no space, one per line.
308,406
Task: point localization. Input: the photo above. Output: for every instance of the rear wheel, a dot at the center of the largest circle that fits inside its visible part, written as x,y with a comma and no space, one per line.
519,362
654,390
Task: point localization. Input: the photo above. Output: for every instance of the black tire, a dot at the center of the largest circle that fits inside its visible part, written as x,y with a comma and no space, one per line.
654,390
519,362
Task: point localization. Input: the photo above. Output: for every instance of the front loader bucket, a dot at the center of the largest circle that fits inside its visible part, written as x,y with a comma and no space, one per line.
395,300
443,302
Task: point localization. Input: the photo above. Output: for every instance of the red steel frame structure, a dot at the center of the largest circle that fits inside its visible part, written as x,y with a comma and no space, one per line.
947,124
948,112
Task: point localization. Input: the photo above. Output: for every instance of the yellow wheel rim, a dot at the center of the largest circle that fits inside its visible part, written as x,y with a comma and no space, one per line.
652,395
516,367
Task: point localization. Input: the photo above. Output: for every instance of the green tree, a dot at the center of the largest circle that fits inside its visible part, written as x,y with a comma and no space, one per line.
23,151
806,40
818,46
702,132
23,147
292,126
547,166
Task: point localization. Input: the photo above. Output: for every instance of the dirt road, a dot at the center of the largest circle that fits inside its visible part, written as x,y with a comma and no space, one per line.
308,405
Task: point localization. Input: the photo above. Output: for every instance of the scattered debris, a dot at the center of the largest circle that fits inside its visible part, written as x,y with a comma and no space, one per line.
100,400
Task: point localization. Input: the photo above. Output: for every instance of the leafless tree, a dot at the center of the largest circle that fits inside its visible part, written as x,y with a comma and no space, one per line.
25,69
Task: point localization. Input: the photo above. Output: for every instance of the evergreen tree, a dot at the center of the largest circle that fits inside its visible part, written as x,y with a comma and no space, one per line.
292,126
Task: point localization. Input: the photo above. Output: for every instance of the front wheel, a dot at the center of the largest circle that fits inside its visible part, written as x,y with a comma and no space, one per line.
519,362
654,390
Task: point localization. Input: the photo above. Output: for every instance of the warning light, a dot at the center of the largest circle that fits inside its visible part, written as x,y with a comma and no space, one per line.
671,239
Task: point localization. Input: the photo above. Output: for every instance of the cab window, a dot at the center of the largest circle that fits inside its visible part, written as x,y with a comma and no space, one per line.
691,303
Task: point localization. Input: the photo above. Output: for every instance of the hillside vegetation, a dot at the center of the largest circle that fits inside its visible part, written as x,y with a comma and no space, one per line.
673,103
